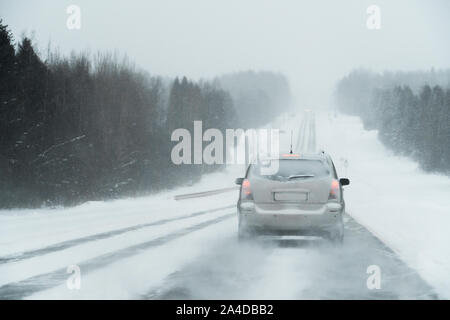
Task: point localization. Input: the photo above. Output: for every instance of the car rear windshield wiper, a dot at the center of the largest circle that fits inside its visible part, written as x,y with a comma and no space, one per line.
298,176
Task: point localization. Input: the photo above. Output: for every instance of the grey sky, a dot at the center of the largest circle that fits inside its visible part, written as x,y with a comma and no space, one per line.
313,42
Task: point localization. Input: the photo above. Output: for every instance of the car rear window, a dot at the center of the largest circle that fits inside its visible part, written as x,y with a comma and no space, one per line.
290,169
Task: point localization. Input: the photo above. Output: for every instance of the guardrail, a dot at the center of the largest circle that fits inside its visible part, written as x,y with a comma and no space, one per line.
204,193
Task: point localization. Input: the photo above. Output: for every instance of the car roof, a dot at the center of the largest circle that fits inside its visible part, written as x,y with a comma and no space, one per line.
298,155
306,156
320,156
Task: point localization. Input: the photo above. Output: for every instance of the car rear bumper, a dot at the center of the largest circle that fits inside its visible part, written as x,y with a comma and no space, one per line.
324,220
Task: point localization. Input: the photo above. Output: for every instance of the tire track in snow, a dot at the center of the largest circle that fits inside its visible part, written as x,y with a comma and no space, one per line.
29,286
306,139
99,236
301,135
312,134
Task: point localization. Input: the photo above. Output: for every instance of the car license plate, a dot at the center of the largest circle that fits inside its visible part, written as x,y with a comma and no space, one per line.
290,196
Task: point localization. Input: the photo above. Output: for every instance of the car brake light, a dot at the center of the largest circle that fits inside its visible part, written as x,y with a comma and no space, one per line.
334,191
246,193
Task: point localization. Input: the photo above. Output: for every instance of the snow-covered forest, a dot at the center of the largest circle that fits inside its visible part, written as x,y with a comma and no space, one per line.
410,110
94,126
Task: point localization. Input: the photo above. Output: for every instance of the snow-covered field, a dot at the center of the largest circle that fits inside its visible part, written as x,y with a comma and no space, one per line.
404,207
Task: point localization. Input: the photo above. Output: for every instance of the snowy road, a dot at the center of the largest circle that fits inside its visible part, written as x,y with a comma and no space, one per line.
160,248
294,269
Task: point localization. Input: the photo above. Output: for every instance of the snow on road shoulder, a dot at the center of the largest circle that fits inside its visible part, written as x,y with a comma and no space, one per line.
405,207
23,230
134,277
49,262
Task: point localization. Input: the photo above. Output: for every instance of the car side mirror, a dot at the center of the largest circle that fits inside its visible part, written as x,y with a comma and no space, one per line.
344,181
239,181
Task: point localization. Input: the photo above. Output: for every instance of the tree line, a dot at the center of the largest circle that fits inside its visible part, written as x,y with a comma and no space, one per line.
410,110
92,127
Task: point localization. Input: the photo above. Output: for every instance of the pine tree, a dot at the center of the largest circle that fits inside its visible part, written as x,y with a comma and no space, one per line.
8,98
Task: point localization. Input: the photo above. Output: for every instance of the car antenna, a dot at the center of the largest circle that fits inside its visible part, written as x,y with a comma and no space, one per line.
291,143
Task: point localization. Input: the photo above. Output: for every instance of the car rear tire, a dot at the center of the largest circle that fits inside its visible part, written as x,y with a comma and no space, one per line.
337,237
244,233
338,240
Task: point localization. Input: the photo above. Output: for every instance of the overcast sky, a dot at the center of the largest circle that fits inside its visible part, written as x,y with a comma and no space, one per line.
313,42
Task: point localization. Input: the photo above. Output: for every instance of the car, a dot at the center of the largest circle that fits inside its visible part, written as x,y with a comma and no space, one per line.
303,197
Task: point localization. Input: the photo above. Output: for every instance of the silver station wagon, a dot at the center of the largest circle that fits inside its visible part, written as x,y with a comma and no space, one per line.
304,197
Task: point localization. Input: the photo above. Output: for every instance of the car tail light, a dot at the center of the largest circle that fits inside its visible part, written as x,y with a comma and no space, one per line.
246,192
335,191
